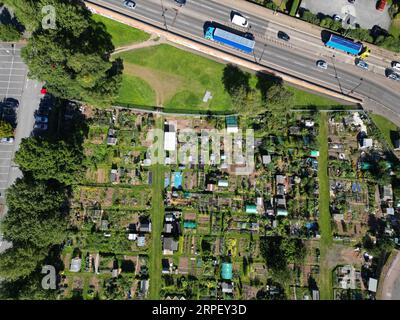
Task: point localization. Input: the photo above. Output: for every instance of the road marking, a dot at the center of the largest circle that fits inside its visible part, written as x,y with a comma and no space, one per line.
11,81
9,76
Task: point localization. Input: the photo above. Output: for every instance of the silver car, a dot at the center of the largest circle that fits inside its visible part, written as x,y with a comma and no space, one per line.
396,65
394,76
322,64
362,64
130,4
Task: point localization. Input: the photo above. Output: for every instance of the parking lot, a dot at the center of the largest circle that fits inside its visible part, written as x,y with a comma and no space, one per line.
12,71
19,98
364,11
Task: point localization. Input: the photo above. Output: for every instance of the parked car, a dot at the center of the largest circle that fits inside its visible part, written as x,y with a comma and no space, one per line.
322,64
40,126
7,140
352,1
130,4
394,76
336,17
284,36
11,103
42,119
362,64
396,65
239,20
381,5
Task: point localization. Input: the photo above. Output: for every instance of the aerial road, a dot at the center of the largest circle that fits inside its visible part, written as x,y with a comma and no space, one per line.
296,57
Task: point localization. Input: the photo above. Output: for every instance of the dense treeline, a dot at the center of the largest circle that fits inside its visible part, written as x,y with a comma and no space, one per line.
68,50
38,208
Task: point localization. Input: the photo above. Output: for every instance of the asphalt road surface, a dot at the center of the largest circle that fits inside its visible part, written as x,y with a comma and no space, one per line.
391,282
296,57
12,71
15,84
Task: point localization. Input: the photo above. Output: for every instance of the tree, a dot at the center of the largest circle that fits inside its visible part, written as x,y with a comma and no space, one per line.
34,217
47,160
28,288
310,17
27,12
278,95
20,261
74,58
9,33
326,23
39,196
392,43
6,130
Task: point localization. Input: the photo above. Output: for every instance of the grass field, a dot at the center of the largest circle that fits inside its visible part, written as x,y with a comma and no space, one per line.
305,99
324,214
121,34
140,89
157,221
395,26
180,80
189,77
385,126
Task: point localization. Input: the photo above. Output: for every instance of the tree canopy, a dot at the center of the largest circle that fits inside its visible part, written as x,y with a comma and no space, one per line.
73,58
6,130
20,261
34,214
47,160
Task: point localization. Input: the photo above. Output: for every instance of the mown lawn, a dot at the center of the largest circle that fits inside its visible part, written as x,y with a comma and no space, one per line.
183,78
121,34
157,220
135,87
304,99
194,74
386,126
324,213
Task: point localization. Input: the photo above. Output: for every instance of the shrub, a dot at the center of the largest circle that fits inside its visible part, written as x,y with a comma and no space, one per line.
9,33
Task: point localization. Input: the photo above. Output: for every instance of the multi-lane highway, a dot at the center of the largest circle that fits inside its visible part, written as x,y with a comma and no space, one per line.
296,57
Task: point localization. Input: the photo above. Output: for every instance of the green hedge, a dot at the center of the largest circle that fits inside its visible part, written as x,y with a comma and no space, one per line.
294,7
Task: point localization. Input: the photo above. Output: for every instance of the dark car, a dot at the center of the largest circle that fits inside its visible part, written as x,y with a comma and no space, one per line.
284,36
11,103
180,2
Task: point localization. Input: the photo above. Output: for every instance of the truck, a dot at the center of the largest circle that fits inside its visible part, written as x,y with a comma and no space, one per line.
343,44
230,39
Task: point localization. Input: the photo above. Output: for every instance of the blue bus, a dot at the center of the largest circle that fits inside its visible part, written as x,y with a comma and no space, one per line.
230,39
343,44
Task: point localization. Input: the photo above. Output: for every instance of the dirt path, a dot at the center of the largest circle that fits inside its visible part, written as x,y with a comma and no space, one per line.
164,84
391,280
154,40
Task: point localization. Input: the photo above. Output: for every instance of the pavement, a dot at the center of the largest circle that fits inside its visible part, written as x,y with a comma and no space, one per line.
296,57
12,71
15,84
363,10
391,282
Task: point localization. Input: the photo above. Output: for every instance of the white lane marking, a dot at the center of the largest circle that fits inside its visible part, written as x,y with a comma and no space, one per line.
9,76
10,81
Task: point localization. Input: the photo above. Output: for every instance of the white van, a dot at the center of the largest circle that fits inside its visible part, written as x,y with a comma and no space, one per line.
239,20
